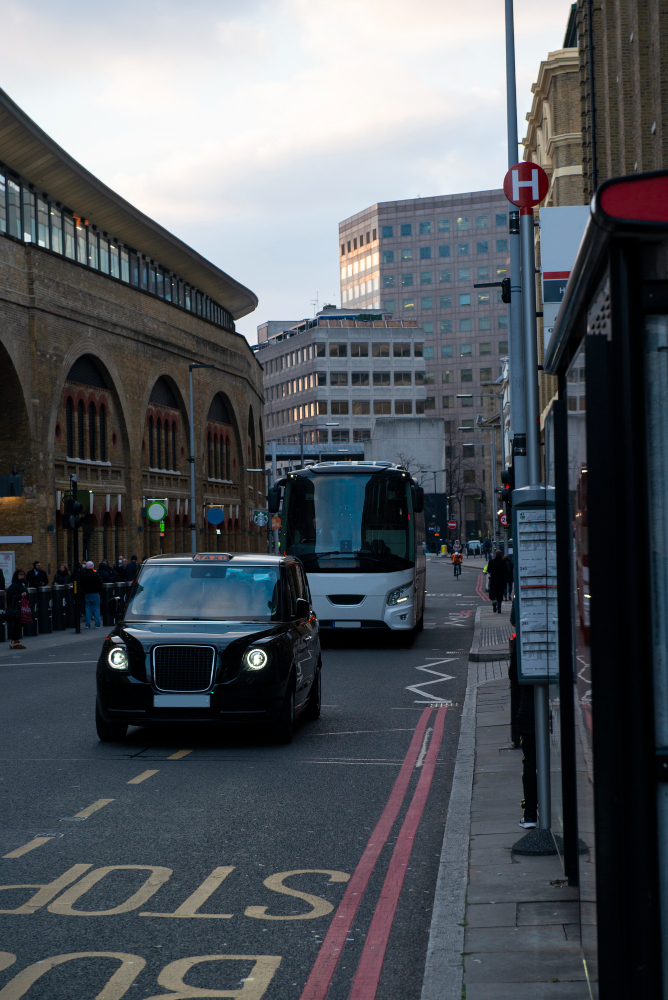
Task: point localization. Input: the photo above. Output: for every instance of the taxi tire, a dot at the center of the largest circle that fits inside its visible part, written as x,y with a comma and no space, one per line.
109,732
284,727
312,710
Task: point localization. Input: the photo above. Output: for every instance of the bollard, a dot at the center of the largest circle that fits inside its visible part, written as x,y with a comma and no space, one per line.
59,608
120,589
44,609
3,617
108,591
70,616
31,630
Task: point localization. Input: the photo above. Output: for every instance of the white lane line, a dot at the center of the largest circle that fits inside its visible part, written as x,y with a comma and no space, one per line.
440,678
423,749
42,663
356,732
30,846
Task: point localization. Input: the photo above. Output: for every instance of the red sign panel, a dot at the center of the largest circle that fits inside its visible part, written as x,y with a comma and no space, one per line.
526,184
452,524
503,521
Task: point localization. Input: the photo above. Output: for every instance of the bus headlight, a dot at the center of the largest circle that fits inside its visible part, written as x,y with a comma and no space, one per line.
400,595
117,658
256,658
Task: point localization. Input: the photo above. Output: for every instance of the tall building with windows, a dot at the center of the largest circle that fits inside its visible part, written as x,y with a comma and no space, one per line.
421,258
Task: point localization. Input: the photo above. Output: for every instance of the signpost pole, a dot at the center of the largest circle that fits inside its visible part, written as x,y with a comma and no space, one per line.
75,568
193,524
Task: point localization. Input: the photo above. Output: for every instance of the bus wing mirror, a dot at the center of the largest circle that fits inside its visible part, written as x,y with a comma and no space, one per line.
418,499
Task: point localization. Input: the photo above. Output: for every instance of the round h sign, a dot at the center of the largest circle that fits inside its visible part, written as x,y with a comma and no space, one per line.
525,185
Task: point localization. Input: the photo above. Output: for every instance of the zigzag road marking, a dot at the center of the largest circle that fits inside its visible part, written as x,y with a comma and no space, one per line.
426,668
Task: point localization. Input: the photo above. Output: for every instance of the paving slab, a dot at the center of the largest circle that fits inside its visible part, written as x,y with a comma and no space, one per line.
492,915
529,991
489,939
547,912
534,966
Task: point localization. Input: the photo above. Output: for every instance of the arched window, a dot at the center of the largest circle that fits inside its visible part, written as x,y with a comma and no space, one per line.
158,436
174,465
103,434
228,467
215,456
150,443
209,465
92,433
81,433
222,456
167,466
69,420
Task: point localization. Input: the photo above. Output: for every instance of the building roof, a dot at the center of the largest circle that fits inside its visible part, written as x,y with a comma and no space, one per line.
25,148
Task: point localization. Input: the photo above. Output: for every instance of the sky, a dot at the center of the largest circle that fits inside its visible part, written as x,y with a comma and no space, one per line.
251,128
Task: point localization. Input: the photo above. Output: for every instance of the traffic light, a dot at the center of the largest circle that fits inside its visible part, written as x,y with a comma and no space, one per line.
73,514
508,480
505,290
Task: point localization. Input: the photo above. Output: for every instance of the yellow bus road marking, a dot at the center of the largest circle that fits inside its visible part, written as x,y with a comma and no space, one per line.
30,846
140,777
89,810
179,754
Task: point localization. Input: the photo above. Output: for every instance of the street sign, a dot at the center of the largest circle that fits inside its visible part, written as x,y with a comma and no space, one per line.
275,523
260,517
156,511
452,524
215,515
503,520
526,184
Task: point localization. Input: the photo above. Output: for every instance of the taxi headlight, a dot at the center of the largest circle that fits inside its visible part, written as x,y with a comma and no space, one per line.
256,658
117,658
400,595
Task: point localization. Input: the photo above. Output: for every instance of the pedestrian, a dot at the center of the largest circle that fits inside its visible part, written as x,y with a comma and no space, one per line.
496,570
508,589
2,580
132,569
90,586
105,572
62,575
15,594
36,577
456,558
487,548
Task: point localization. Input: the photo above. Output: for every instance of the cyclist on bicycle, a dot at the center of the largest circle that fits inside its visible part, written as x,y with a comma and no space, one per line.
456,558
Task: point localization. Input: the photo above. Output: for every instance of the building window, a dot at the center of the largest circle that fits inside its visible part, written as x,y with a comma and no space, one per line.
419,406
425,277
483,273
387,232
503,322
462,249
484,349
382,407
465,299
360,378
355,243
425,253
444,251
175,466
320,378
340,436
502,246
406,279
381,379
322,408
388,281
444,225
425,228
407,254
447,376
428,353
402,378
484,323
446,326
501,219
359,350
501,271
482,221
465,350
81,434
338,378
69,422
464,274
408,303
361,407
406,229
428,328
448,402
485,374
503,348
380,350
418,349
68,242
56,218
338,350
483,299
92,433
374,235
388,256
445,301
469,477
401,350
462,223
444,276
389,305
468,451
343,249
466,401
427,302
465,326
482,246
466,375
403,406
361,435
430,403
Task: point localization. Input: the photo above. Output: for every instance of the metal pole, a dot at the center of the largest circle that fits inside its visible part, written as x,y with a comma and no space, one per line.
193,526
75,568
530,345
301,443
493,486
541,708
516,344
273,479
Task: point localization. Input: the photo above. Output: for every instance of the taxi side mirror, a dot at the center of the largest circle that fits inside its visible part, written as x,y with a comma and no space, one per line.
302,608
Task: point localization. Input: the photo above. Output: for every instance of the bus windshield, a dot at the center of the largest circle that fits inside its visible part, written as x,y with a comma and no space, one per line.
349,522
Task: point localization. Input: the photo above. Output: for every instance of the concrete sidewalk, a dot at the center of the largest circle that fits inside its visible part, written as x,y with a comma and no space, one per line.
504,927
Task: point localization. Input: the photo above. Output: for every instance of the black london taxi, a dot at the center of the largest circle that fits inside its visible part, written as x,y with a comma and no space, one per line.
212,637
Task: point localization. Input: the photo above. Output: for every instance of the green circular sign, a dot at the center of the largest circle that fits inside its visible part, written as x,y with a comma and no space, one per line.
156,511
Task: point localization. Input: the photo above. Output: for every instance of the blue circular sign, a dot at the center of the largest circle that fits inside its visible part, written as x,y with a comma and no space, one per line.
215,515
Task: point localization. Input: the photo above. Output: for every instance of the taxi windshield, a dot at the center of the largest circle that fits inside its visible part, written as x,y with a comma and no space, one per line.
206,593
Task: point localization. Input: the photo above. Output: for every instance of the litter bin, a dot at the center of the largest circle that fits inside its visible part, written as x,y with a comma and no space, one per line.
59,607
44,609
70,613
31,630
108,591
3,618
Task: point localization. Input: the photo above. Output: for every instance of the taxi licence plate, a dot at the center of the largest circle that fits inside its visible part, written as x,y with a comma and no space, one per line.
181,701
346,624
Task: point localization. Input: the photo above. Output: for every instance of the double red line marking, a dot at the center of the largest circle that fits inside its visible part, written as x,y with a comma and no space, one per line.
370,965
480,587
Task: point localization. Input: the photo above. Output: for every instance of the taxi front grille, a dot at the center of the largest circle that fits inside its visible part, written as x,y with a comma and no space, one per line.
183,668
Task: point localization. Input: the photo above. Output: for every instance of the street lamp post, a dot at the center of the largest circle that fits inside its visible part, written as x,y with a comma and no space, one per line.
332,423
193,524
499,396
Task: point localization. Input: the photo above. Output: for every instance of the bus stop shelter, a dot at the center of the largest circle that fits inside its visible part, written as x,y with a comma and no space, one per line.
606,454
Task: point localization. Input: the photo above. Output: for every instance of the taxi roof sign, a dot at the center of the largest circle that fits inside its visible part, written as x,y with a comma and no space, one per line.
212,557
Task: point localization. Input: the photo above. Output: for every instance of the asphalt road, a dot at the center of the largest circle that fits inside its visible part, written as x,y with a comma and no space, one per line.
188,863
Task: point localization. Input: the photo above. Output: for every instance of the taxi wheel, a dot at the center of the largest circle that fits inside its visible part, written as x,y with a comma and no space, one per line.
109,732
284,729
312,711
